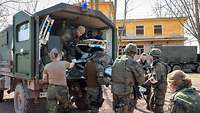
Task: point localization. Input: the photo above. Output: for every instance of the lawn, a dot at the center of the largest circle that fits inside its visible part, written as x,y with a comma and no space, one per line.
195,75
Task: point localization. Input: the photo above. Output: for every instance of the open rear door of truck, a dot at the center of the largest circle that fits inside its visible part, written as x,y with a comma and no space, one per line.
23,43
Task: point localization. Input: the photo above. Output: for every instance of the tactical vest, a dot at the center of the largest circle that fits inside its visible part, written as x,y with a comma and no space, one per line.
122,77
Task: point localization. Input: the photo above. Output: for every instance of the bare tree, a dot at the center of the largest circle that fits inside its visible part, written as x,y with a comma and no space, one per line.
31,5
185,8
127,10
8,7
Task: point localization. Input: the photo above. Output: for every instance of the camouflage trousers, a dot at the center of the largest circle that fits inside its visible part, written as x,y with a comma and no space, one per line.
124,104
58,96
157,101
148,95
94,98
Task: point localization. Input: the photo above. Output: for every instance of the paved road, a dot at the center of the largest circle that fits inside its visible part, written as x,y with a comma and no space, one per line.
7,106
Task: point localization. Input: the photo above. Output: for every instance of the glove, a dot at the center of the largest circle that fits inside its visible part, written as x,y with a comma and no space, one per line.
84,55
139,95
74,61
153,80
137,92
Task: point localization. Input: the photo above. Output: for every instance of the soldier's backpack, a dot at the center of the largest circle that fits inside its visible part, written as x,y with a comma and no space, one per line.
189,99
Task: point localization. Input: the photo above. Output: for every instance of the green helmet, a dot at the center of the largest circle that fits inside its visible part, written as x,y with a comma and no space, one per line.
130,48
155,52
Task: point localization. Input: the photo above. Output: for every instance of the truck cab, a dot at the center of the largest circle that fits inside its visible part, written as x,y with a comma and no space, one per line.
22,53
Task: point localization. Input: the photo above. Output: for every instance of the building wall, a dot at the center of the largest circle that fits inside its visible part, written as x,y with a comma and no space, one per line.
107,8
170,26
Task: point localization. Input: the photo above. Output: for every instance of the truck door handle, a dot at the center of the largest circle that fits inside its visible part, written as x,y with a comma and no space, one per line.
23,52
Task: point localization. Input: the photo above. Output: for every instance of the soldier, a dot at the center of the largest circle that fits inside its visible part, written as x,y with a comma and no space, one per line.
126,75
69,44
146,66
185,99
54,75
143,62
94,70
158,82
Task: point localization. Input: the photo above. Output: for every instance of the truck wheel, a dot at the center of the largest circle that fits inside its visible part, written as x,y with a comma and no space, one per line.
22,102
176,67
198,69
1,95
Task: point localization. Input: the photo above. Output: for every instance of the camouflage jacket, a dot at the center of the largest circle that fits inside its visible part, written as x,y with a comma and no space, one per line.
126,73
145,65
185,100
159,70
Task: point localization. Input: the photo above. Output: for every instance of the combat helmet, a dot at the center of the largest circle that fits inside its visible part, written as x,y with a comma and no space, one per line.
130,48
155,52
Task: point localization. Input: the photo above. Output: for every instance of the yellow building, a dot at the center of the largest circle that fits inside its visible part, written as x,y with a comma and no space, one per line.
107,8
145,33
149,32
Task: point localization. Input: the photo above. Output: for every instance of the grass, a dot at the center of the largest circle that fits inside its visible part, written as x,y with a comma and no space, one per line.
195,75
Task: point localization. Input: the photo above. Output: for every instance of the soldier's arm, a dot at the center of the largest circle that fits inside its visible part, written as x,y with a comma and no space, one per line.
138,72
100,73
45,77
101,79
69,65
158,71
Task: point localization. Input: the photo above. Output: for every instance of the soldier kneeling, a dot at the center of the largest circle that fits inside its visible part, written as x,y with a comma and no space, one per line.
185,99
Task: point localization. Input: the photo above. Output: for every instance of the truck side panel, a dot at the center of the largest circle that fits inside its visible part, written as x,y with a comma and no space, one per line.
179,54
6,37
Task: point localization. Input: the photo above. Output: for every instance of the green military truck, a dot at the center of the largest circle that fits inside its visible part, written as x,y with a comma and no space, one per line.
21,54
181,57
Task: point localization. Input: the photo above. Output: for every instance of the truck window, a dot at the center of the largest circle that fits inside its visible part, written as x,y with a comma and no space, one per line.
23,32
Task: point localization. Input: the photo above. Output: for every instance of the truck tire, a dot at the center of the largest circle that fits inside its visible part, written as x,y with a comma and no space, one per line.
1,95
176,67
22,102
198,69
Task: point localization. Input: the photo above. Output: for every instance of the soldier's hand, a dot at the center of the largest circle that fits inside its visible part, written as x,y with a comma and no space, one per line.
137,92
153,80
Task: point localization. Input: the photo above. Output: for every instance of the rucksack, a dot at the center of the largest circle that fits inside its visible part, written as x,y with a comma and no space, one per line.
189,99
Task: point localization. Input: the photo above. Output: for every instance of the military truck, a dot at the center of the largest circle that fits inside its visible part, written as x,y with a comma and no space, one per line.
21,54
181,57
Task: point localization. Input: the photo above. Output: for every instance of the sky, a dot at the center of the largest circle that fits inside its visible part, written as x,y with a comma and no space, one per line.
141,9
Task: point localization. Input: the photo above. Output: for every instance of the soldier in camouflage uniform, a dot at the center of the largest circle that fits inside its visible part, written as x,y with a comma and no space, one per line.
54,75
158,80
185,99
69,43
126,74
146,66
94,70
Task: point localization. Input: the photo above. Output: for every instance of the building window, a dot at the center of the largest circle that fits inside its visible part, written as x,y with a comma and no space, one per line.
121,50
157,29
140,49
139,30
121,31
